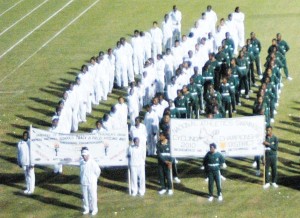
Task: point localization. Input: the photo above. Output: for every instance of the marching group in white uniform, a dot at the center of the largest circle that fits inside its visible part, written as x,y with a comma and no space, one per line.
144,58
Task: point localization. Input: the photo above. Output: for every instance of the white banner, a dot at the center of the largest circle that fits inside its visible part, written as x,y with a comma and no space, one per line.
107,148
234,137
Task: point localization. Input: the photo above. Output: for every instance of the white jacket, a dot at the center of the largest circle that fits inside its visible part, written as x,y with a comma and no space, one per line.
89,172
23,153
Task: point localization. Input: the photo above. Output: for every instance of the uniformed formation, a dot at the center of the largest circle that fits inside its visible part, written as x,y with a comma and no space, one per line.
171,75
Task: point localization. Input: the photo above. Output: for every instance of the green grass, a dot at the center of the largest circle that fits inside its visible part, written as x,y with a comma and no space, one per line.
42,79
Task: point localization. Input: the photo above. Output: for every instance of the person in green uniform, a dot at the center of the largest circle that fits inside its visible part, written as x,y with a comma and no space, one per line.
283,48
198,80
232,81
212,162
195,92
256,48
164,164
271,144
189,98
242,64
226,93
181,104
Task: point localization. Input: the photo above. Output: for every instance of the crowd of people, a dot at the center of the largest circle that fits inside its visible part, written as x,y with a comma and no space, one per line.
173,75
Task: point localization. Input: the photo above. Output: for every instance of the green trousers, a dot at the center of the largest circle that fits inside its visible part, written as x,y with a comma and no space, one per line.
271,161
214,176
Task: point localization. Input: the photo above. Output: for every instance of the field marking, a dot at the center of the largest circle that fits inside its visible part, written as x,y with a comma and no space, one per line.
32,31
11,7
46,43
15,23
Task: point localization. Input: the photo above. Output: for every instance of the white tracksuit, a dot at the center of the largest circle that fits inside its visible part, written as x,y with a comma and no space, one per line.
133,107
239,20
121,61
151,122
137,157
57,168
160,75
139,132
23,159
157,39
167,29
111,60
138,54
89,174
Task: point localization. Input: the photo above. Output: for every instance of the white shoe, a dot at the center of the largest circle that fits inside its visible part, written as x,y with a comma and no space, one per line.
94,212
85,212
251,91
170,192
177,180
266,186
260,76
290,78
163,191
202,168
274,185
133,194
275,112
234,111
176,161
239,104
257,173
281,85
26,191
279,91
247,96
272,120
206,180
142,194
277,104
223,178
220,198
254,165
211,198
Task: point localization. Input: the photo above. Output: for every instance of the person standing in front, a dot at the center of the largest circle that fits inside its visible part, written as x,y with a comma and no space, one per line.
24,162
89,174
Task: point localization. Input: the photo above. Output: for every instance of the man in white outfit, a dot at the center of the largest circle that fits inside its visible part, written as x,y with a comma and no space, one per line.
89,174
128,52
111,60
157,39
167,29
238,17
212,19
176,18
24,162
151,122
137,158
138,52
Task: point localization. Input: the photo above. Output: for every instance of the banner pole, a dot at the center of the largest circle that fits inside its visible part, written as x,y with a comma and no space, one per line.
129,181
171,175
264,177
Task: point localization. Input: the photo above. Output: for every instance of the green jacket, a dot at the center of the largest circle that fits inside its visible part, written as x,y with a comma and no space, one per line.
274,146
213,161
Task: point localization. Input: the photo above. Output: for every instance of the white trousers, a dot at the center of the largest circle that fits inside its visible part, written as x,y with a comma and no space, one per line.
29,178
138,63
156,49
89,193
137,176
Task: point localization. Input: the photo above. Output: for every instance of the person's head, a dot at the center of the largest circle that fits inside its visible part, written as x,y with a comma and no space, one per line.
227,35
260,99
230,17
54,122
222,21
155,24
136,33
155,101
237,9
25,135
203,16
137,121
113,109
162,136
278,36
168,51
208,8
65,95
121,100
224,80
173,79
166,17
118,44
85,154
252,35
166,118
122,40
136,141
105,117
84,68
179,93
148,108
233,61
109,51
93,60
269,130
174,8
98,124
212,147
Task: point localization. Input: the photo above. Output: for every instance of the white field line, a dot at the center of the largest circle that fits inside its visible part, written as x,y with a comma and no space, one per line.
11,7
46,43
28,34
15,23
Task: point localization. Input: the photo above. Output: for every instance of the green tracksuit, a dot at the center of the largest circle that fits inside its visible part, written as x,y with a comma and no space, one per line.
212,163
271,158
163,154
181,104
226,93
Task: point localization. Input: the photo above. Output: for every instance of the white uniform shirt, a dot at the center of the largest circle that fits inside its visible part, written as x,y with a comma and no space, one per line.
137,155
23,153
89,172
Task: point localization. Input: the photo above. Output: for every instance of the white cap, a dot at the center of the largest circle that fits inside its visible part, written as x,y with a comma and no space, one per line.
85,152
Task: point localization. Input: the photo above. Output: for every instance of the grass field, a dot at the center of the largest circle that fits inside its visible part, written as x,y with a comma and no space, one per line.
44,50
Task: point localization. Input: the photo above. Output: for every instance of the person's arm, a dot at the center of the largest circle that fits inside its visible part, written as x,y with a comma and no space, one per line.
274,146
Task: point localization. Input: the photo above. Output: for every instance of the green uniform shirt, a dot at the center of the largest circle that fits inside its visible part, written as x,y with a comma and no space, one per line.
174,113
284,47
163,152
208,75
195,91
181,104
213,161
225,92
242,64
256,46
273,140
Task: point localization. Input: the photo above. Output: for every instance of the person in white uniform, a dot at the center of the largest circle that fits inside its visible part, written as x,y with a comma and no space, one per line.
212,19
157,40
128,51
111,60
176,18
99,128
23,160
138,52
167,29
238,17
89,174
137,158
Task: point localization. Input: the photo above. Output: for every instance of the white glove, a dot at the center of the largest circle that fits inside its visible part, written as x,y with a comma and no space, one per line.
224,166
202,168
268,149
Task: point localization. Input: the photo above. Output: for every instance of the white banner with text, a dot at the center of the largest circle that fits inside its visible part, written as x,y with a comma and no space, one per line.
107,148
234,137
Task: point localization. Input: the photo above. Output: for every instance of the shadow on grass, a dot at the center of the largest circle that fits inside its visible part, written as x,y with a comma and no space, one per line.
49,200
13,144
16,136
242,112
42,111
34,120
288,130
55,92
290,181
44,101
60,190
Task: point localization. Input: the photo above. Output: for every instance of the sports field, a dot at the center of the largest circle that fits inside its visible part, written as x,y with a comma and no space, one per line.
43,43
